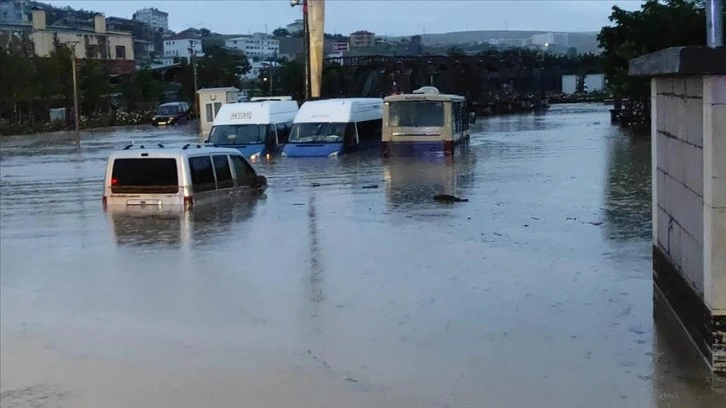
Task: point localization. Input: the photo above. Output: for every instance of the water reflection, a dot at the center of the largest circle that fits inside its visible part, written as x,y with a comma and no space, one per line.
315,278
628,189
176,227
413,181
678,368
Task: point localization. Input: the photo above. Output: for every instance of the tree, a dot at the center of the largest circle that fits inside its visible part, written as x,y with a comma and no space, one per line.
93,85
455,51
654,27
281,32
218,67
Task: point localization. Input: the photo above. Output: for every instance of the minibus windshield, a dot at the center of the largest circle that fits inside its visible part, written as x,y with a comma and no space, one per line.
239,134
317,132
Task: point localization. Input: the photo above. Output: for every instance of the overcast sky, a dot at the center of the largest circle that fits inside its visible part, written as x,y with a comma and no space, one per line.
391,17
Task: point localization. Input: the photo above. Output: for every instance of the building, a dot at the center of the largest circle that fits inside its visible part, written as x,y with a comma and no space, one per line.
258,45
156,19
178,46
295,27
546,39
360,39
15,11
115,49
147,41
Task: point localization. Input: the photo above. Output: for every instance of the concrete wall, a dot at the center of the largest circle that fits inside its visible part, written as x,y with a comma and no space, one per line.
714,171
678,175
595,82
689,201
569,84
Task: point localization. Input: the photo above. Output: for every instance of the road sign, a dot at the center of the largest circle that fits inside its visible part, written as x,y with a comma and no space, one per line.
341,46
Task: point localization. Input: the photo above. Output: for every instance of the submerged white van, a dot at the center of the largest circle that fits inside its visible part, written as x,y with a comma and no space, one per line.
170,177
332,127
256,128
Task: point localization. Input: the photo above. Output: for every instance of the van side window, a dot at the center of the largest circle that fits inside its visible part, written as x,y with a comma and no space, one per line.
244,172
202,174
224,174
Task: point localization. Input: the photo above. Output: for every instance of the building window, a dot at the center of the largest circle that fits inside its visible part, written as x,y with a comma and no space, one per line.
92,51
120,52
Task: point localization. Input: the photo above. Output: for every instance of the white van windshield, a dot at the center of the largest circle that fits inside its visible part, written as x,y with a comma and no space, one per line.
416,113
150,176
317,132
239,134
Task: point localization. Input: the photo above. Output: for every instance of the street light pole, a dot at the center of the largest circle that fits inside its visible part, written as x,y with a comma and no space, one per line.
75,91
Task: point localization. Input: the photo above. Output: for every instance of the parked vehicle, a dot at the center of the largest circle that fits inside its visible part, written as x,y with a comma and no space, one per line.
171,113
333,127
425,120
256,128
171,177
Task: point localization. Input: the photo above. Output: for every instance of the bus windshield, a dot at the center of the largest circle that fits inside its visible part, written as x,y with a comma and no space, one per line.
416,114
239,134
317,132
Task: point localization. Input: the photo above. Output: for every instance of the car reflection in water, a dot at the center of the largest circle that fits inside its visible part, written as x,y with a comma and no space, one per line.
414,181
174,227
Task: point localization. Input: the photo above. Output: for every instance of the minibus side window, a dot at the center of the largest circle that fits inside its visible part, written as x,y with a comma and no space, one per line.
202,174
351,138
243,171
283,131
224,174
370,129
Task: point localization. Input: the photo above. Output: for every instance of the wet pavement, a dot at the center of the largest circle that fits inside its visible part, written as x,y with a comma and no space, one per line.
346,285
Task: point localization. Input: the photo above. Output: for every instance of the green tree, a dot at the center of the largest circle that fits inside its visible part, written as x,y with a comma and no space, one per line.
94,86
655,26
281,32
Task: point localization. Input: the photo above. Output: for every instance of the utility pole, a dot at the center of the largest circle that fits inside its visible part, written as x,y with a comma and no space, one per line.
75,91
306,42
193,57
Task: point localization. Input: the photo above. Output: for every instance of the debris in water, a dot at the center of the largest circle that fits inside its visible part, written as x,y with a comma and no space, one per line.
350,379
316,184
371,186
447,198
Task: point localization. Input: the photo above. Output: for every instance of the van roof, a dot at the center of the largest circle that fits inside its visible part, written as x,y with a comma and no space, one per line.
254,112
340,110
159,151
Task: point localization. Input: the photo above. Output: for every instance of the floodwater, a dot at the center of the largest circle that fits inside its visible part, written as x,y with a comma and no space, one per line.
346,285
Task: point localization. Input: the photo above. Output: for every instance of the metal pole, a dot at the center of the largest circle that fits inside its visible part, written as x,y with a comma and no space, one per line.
714,23
75,94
